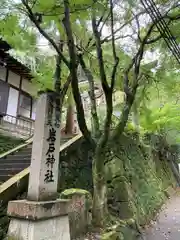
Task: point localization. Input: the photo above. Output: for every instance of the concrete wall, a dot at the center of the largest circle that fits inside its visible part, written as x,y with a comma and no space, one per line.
12,102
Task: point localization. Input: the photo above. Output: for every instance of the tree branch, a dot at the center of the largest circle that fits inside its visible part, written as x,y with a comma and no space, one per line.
108,38
65,87
44,34
107,90
104,22
131,90
73,71
150,41
116,59
100,55
89,76
172,18
138,27
57,84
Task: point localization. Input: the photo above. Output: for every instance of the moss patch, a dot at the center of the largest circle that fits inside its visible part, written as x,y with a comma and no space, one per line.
70,192
80,205
122,230
137,180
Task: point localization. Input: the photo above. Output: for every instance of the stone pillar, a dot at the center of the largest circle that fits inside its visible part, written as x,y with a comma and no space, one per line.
42,216
43,176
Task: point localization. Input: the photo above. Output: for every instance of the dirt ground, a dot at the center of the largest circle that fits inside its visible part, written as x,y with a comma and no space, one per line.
167,224
165,227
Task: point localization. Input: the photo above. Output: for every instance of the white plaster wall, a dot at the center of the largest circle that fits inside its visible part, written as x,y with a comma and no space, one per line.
14,79
12,102
2,73
28,87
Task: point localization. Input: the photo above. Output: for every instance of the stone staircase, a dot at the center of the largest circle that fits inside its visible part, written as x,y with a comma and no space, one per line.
17,161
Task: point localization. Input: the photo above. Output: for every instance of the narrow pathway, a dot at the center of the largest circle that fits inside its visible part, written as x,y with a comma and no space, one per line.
167,225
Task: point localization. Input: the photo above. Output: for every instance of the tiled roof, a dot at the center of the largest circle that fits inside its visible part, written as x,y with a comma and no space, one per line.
11,62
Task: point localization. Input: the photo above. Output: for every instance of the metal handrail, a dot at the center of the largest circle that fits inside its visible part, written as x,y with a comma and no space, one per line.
18,182
18,124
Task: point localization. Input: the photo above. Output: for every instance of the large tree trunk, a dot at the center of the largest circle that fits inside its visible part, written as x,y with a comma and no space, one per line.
69,129
100,209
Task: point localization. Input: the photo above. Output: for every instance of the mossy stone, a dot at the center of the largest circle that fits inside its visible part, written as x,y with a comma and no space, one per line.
69,193
79,208
121,190
113,169
129,233
113,235
126,210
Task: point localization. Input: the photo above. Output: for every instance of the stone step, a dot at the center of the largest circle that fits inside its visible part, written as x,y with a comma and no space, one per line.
23,151
10,171
19,160
17,157
5,177
20,165
29,146
14,161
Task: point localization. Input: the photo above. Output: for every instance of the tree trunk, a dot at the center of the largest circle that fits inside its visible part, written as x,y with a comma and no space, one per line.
100,209
124,115
94,118
70,115
73,71
91,92
135,116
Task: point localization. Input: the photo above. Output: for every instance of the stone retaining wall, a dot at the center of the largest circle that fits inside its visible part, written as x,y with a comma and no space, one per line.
137,181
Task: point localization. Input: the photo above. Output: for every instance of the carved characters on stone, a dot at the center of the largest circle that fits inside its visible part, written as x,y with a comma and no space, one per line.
50,160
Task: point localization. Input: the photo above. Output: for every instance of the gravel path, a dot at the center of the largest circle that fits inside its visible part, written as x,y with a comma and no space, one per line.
167,225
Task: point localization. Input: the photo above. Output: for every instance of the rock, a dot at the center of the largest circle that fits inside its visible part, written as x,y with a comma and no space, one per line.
126,210
79,210
129,234
113,169
121,190
113,235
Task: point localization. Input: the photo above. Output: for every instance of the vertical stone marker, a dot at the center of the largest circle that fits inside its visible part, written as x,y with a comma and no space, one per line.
42,216
45,153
